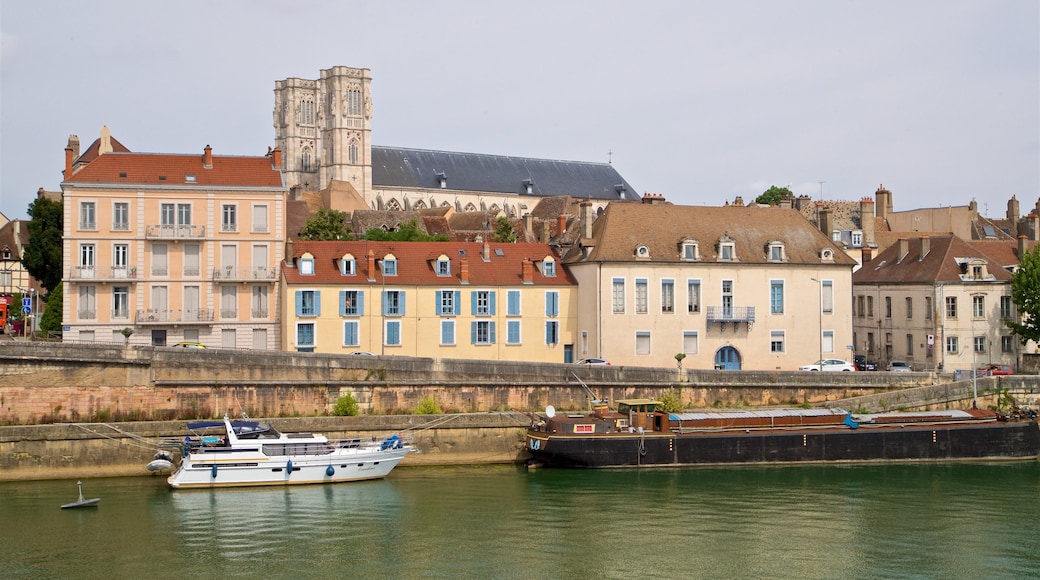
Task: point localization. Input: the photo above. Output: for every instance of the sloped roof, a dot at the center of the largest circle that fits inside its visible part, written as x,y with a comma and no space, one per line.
14,235
1003,252
416,263
161,169
939,264
663,228
395,167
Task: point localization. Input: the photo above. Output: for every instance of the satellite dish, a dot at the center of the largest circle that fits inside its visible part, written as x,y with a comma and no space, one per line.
550,411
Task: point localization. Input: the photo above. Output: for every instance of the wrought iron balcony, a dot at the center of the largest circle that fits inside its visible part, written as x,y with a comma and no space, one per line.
734,314
174,316
169,232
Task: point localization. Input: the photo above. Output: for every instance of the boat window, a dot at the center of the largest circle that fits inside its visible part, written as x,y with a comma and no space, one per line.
584,428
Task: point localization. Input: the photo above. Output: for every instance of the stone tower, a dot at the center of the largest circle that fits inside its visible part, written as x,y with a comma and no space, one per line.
324,129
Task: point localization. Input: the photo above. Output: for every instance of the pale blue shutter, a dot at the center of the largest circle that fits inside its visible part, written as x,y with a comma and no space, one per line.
342,302
299,303
491,300
456,306
361,303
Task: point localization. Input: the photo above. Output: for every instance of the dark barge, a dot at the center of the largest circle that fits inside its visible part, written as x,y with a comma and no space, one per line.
638,435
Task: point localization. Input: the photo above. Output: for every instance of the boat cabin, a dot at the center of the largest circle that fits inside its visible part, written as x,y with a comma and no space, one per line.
639,414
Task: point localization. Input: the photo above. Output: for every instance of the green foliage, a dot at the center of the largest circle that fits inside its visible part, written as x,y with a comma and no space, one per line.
671,402
503,231
325,225
51,319
1025,294
346,406
42,257
774,195
408,232
428,406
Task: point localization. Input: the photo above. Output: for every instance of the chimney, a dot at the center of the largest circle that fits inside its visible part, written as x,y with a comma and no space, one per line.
371,266
74,144
866,221
105,143
527,271
276,158
826,220
464,271
903,248
1022,247
587,217
68,163
739,201
1034,222
786,203
485,252
561,225
868,254
207,157
288,251
926,246
653,199
801,202
528,225
1013,215
884,201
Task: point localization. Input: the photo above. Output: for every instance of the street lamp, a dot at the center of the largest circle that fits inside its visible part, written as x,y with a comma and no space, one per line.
820,284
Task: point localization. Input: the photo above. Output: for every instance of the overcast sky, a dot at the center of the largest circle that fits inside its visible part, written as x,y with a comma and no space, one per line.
700,101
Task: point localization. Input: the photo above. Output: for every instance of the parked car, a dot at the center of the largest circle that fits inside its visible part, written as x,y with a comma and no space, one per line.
899,366
829,364
593,361
862,364
995,369
362,353
188,344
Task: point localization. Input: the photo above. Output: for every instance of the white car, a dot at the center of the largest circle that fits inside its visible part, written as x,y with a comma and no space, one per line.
593,361
899,366
829,364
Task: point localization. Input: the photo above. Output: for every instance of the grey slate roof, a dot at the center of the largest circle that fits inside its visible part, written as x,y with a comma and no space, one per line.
419,168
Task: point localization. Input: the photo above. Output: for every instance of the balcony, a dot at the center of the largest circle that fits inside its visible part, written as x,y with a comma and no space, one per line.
735,314
174,316
111,274
168,232
257,273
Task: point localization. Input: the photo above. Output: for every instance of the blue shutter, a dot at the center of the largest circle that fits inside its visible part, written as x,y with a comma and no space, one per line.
473,303
491,299
401,296
438,307
491,332
361,302
548,337
513,303
317,303
447,332
473,332
384,302
342,302
456,306
299,303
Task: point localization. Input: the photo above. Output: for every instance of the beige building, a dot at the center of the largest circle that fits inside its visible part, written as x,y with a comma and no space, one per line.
938,302
429,299
173,247
730,287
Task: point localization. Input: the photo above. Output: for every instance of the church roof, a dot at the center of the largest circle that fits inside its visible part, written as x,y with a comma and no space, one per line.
395,167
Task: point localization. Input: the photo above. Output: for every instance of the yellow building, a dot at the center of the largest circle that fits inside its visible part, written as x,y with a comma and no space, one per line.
173,247
429,299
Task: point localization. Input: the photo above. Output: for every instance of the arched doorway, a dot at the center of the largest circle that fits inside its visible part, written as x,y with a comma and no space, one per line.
727,359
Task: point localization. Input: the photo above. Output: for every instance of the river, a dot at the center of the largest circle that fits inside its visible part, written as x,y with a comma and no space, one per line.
949,520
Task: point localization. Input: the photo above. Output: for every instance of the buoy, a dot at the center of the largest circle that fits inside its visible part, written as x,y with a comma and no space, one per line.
288,466
213,472
330,471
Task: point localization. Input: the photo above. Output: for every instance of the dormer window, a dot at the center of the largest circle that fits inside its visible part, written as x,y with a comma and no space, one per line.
727,249
7,253
389,263
307,264
528,186
549,268
442,179
857,239
827,255
347,265
690,251
642,252
776,251
189,178
443,266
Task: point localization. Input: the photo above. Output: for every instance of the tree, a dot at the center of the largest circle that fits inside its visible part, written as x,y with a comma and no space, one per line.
774,195
42,257
408,232
1025,294
503,231
326,225
51,319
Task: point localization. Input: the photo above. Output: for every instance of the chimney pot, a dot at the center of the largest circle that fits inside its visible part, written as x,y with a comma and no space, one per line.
276,158
207,157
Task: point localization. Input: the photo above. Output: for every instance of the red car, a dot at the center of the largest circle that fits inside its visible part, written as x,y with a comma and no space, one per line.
995,369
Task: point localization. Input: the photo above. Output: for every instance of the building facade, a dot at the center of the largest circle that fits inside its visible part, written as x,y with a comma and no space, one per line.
755,288
165,248
429,299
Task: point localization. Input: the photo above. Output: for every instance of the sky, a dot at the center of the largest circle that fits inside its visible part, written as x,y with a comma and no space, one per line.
699,101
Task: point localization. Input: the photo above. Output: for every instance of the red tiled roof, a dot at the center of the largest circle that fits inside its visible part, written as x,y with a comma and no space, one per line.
939,264
416,262
167,169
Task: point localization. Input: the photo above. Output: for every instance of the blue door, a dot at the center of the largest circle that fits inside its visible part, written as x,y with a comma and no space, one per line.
727,359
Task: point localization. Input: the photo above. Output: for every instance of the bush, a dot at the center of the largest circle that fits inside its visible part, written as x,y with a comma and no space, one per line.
346,406
671,402
428,406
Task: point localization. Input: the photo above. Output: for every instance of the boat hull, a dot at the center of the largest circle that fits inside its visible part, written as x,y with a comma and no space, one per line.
991,440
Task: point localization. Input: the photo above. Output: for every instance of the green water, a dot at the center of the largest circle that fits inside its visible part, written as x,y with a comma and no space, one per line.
882,521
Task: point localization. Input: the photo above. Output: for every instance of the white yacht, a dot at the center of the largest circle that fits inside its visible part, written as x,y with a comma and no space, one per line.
245,453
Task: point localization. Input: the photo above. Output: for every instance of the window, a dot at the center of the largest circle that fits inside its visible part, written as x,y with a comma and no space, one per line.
978,306
159,262
87,307
512,332
552,332
393,303
859,306
512,303
447,332
393,333
552,303
642,343
305,160
347,266
86,255
120,255
191,260
228,301
927,307
307,265
857,239
776,297
667,296
1007,343
979,344
776,341
120,302
870,307
693,296
121,216
1005,307
951,307
689,251
448,302
482,332
352,152
641,296
305,336
776,252
483,303
351,303
87,215
727,298
258,301
689,341
549,268
618,295
888,307
260,219
307,112
726,252
389,266
909,308
828,341
228,221
307,303
443,267
183,214
828,297
351,329
951,345
870,342
166,214
909,345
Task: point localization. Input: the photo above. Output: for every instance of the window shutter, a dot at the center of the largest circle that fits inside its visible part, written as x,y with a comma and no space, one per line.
342,302
491,332
317,303
361,303
401,296
299,302
473,303
491,299
384,294
473,332
456,307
